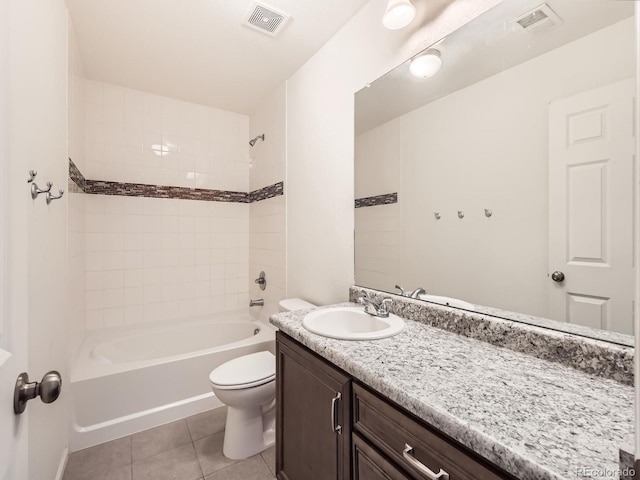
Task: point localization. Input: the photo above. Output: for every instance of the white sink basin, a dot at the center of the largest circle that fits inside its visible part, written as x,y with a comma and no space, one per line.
448,301
351,323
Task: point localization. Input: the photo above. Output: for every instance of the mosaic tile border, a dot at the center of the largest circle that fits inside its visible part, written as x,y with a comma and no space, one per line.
102,187
265,193
385,199
595,357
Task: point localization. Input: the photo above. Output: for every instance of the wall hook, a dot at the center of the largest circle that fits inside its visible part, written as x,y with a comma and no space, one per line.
32,175
487,212
50,197
35,190
460,214
437,215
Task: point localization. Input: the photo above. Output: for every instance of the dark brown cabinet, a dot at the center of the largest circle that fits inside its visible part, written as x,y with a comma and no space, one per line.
330,427
313,430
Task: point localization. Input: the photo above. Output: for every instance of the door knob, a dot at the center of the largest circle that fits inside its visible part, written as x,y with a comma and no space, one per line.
557,276
48,390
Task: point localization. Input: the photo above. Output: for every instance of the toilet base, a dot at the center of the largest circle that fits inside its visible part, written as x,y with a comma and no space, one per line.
249,431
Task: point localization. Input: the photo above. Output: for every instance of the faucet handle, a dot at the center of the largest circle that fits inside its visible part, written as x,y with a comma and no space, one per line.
385,304
402,292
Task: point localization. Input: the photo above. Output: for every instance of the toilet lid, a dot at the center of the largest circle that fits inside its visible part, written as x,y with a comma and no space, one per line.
246,371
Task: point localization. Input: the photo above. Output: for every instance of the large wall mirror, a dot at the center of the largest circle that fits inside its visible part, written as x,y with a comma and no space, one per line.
505,183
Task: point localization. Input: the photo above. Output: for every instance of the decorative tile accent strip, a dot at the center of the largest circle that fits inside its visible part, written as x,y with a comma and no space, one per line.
595,357
377,200
264,193
159,191
76,176
100,187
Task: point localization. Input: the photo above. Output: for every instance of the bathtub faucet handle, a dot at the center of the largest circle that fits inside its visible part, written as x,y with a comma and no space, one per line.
262,280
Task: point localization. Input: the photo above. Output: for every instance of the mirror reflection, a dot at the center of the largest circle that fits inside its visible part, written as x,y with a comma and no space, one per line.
504,182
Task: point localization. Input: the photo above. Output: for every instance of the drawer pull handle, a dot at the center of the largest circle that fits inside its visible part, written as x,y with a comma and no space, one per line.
334,420
407,453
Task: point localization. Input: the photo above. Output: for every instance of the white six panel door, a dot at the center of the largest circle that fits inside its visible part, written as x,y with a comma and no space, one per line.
591,195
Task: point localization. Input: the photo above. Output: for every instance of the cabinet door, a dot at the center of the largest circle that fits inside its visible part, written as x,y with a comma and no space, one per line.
368,464
313,423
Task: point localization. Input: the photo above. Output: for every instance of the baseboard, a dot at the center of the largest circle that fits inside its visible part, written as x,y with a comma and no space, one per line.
63,463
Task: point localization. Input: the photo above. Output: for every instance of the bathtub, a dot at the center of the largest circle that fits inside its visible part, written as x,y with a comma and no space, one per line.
130,379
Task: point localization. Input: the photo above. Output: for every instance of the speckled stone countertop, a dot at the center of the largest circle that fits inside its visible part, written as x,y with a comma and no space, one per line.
534,418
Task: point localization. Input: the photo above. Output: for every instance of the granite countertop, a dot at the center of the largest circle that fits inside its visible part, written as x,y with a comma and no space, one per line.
534,418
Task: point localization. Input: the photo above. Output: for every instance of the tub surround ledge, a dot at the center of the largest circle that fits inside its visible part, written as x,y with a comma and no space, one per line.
534,418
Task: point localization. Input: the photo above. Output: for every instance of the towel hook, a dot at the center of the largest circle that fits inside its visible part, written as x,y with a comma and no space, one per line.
35,190
460,214
437,215
487,212
50,197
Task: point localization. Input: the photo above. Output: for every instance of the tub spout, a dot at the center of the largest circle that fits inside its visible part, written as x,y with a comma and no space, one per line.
256,303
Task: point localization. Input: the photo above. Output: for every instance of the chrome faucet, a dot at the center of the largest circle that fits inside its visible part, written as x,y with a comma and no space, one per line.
376,309
417,292
402,292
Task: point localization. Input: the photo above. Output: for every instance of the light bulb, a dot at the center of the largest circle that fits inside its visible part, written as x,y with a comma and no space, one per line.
426,65
399,14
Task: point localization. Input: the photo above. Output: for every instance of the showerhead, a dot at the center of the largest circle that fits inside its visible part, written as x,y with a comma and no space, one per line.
253,141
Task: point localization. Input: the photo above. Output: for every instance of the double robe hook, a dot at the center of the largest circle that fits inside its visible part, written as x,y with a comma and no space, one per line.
35,190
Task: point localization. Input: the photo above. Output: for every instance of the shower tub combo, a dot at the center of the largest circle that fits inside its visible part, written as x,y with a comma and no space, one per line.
135,378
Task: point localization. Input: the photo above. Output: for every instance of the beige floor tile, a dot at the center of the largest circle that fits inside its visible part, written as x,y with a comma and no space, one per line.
253,468
122,473
210,456
178,464
269,456
159,439
95,461
207,423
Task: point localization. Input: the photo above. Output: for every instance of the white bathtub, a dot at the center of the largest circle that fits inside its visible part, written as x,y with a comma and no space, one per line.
132,379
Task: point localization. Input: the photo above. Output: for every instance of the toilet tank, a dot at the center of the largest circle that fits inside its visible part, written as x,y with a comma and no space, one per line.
291,304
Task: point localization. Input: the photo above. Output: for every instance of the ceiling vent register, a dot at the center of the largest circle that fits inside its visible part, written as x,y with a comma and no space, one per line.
266,19
539,20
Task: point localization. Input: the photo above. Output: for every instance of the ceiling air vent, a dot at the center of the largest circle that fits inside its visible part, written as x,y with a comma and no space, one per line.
539,20
266,19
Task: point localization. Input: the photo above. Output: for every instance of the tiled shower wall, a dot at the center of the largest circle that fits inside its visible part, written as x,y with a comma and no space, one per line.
152,259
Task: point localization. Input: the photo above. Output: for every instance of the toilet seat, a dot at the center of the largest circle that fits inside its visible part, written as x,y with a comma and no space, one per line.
245,372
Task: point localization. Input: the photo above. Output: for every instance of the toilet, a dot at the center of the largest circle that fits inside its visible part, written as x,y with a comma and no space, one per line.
247,385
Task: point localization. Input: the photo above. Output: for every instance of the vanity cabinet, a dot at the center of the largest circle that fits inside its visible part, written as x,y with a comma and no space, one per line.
330,427
313,424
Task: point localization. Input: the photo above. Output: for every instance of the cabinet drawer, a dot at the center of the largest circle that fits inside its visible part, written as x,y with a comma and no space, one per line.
389,429
368,464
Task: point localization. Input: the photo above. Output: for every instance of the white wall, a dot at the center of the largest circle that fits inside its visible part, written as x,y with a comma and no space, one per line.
320,139
267,217
501,165
38,136
76,203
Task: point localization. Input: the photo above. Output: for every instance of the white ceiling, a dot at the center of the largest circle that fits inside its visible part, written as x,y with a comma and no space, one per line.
198,50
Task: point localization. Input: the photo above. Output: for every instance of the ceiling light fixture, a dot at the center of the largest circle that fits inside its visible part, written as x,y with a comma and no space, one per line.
399,14
426,64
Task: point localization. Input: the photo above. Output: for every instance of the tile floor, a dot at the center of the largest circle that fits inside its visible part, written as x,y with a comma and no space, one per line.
189,449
